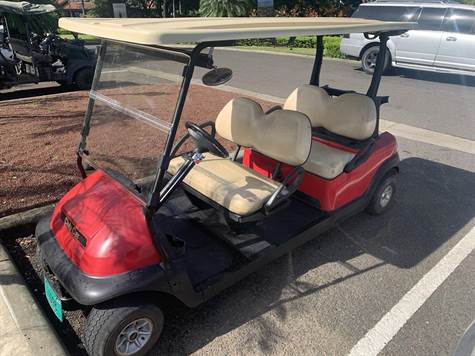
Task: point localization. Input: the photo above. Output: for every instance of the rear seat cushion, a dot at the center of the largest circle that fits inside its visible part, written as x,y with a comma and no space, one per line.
283,135
351,115
311,100
326,161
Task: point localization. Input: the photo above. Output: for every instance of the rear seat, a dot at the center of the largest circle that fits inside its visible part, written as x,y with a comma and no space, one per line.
350,115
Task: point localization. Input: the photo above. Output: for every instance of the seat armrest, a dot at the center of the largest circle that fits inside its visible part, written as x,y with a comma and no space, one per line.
360,157
288,187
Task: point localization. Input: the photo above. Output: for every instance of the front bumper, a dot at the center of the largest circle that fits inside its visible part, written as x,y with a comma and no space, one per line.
90,290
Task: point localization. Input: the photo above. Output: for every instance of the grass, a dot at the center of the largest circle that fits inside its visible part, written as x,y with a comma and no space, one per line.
66,35
69,36
302,45
304,51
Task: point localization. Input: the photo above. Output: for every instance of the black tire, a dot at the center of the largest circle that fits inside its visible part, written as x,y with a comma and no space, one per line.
106,324
83,78
368,59
383,197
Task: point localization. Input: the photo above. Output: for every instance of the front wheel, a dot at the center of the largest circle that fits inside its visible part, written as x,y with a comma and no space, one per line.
369,57
124,327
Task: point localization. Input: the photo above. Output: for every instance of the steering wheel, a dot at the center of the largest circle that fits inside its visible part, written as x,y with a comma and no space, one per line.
204,141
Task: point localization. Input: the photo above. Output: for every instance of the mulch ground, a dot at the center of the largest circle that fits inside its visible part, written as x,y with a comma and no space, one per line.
39,137
23,252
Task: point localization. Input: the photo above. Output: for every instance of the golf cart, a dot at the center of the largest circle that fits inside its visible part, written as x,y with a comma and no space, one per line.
30,51
164,207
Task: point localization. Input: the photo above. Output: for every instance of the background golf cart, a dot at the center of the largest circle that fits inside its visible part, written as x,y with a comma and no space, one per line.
31,52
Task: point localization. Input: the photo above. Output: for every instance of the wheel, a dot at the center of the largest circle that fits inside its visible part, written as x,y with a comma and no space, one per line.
122,327
368,59
83,78
383,197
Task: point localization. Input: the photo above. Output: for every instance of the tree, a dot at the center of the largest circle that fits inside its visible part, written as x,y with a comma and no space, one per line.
225,8
102,8
135,8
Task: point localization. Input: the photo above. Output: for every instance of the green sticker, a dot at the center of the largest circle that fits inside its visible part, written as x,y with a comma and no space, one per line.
53,300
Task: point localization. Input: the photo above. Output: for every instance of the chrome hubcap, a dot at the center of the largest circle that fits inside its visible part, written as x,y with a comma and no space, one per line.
134,337
371,59
386,196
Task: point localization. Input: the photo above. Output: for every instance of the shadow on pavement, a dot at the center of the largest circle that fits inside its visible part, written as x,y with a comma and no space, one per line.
445,78
29,92
433,203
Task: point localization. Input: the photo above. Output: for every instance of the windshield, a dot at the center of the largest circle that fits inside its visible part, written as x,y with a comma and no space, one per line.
134,100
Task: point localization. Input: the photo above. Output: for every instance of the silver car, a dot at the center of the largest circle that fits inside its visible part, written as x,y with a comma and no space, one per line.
443,41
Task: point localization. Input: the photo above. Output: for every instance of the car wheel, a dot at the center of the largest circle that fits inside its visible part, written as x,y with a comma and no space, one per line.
383,197
369,57
83,78
124,327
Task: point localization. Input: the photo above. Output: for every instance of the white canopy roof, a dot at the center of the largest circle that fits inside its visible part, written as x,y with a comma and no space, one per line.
155,31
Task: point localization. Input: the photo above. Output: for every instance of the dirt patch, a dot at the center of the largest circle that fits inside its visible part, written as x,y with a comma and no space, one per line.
39,138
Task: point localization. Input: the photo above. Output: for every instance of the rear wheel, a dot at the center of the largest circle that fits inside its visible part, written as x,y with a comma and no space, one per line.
369,57
383,197
83,78
124,327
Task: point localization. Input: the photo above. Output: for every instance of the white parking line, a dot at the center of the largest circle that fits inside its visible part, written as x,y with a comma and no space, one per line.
383,332
401,130
428,136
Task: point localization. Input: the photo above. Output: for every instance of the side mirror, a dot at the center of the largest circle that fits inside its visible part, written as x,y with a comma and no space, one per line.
217,76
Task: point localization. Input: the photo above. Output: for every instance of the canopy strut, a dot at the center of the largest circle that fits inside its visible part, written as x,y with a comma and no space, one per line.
378,70
317,64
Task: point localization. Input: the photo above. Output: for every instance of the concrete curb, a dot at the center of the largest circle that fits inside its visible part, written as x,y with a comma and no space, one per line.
37,97
263,51
26,220
25,329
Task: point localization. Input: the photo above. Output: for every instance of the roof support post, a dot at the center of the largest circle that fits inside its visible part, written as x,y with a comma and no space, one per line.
378,70
317,64
155,200
86,125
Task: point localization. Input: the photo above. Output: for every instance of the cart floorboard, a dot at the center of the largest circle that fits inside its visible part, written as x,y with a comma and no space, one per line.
212,246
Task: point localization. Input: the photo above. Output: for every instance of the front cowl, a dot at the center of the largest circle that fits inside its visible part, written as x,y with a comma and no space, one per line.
101,227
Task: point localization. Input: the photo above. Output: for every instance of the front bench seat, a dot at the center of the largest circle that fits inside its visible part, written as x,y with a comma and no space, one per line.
350,115
282,135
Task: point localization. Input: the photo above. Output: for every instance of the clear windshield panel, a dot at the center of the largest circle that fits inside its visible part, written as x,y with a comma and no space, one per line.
135,99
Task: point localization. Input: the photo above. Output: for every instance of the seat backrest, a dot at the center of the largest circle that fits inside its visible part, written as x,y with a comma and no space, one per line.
351,115
283,135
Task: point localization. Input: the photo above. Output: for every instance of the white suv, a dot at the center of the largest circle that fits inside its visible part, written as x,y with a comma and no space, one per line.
443,41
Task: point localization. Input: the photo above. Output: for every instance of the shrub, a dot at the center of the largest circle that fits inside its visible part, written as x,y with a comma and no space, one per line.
331,43
332,47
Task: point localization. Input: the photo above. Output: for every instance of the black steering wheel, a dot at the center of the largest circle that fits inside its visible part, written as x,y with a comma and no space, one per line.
204,141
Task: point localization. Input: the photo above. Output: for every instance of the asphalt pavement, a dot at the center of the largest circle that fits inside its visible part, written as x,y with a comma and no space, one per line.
443,103
329,295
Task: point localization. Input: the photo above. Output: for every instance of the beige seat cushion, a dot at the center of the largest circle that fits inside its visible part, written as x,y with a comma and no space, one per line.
351,115
283,135
326,161
237,188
